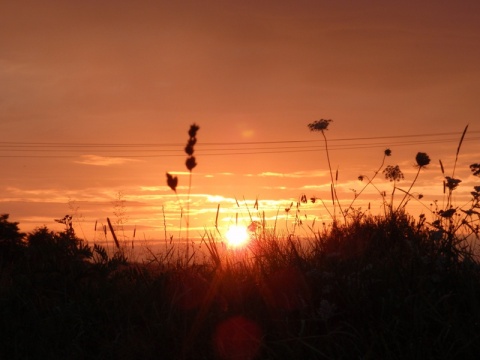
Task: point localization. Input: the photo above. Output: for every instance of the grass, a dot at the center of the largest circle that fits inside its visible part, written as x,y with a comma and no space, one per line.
367,286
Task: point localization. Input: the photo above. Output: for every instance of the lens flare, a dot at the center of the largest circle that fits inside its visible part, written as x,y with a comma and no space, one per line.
237,235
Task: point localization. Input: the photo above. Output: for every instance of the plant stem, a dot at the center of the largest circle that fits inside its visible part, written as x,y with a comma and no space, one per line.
368,183
335,197
188,212
408,191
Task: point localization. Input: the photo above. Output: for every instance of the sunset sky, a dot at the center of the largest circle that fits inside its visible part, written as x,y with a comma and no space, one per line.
96,98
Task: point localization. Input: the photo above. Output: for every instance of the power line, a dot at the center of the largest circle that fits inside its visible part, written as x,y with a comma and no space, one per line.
63,144
333,147
209,149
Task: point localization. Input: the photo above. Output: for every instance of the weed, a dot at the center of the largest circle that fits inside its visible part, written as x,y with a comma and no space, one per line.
190,163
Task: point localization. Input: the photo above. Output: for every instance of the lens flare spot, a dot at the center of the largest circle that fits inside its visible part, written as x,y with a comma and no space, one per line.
237,235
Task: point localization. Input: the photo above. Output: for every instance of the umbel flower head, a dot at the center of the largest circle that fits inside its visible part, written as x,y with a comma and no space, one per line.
393,173
319,125
388,152
422,159
452,183
475,168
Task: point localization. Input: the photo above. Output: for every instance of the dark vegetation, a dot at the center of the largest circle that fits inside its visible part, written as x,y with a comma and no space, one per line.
365,287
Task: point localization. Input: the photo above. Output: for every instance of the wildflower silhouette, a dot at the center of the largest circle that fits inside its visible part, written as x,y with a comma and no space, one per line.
475,169
190,163
189,149
452,183
422,160
447,213
172,182
393,173
322,126
319,125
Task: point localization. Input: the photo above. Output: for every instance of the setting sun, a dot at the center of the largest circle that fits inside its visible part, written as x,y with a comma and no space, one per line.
237,235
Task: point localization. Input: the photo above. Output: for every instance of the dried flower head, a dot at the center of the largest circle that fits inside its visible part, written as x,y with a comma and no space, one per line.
319,125
193,130
476,193
452,183
360,177
189,150
393,173
388,152
475,169
190,163
172,181
447,213
422,159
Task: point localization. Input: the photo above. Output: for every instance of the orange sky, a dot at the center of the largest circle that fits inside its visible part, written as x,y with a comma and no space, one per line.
74,74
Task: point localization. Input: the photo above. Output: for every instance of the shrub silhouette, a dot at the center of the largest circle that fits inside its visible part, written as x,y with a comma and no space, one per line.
11,240
51,250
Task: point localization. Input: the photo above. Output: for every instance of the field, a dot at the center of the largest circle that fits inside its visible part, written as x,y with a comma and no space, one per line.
386,286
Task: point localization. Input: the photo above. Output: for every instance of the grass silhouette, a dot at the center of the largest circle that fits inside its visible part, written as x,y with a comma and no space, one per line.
386,286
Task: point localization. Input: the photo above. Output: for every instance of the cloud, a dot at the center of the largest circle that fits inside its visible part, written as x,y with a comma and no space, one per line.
296,174
96,160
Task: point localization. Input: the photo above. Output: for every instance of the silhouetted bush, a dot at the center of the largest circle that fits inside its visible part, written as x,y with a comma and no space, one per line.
11,240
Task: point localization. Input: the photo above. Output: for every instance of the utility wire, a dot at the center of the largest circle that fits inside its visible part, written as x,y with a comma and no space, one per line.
63,144
201,148
209,149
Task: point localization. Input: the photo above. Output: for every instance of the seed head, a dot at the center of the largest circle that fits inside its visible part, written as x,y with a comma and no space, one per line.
388,152
172,181
422,159
193,130
189,148
447,213
452,183
393,173
190,163
319,125
475,168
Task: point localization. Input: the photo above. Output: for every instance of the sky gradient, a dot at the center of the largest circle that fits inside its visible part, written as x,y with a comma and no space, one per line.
96,98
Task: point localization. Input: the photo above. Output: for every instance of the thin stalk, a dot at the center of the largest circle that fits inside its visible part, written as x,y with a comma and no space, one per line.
366,185
458,150
334,190
188,213
410,188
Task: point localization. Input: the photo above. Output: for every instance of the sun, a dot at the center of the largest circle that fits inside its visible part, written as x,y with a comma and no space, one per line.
237,235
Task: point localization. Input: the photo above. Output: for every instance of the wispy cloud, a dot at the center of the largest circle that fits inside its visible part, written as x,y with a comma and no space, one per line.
296,174
97,160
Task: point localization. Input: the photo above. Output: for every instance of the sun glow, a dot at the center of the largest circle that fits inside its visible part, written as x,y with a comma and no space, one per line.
237,235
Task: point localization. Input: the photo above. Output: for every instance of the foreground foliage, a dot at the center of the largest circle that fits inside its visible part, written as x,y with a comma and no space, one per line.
383,287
